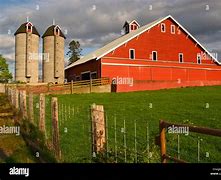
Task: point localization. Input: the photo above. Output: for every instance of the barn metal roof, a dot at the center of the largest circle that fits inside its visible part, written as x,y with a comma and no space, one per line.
99,53
22,29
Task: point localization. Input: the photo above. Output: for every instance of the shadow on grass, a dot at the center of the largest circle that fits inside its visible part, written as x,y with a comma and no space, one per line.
35,140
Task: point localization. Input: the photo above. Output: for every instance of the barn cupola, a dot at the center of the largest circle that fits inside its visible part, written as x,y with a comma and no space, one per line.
130,26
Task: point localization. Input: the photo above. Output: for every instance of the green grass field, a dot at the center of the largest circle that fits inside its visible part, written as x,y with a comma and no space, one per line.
200,106
13,148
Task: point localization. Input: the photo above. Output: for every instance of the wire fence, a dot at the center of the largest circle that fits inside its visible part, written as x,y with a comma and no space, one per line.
201,149
204,144
121,140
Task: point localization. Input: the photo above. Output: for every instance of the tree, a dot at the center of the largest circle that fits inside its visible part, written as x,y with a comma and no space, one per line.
5,75
74,51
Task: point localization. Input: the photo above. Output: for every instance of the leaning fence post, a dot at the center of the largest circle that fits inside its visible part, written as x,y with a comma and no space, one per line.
31,109
98,128
55,128
163,141
42,113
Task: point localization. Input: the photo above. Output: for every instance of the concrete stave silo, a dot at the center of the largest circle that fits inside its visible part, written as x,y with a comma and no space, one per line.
26,53
53,50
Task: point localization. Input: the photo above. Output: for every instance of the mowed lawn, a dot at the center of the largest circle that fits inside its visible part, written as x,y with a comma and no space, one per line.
200,106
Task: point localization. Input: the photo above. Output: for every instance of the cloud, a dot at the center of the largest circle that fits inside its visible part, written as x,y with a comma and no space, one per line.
97,22
6,41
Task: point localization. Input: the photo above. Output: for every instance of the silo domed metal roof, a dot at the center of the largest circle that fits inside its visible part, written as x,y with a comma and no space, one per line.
22,29
50,31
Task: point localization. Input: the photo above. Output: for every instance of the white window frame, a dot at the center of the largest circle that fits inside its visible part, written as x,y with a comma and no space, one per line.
198,55
56,31
85,72
172,27
29,25
161,27
156,56
130,54
182,58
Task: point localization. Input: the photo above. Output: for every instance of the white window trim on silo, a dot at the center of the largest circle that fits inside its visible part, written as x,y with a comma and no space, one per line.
29,24
57,28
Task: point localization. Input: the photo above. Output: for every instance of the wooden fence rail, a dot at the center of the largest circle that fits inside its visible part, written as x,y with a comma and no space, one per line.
59,88
93,82
162,138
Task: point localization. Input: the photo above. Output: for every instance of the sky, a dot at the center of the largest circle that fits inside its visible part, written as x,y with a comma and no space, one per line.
96,22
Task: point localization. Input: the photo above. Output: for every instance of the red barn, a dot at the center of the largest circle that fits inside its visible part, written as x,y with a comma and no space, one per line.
162,54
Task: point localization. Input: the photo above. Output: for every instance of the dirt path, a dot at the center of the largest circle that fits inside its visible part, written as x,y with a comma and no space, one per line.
12,148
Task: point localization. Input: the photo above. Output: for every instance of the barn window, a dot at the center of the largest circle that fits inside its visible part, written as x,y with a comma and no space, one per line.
94,75
172,29
132,27
163,27
199,59
154,55
181,57
86,75
77,78
132,53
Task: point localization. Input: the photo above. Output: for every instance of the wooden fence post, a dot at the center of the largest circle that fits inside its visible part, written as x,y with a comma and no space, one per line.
20,100
42,113
5,89
71,86
91,85
55,128
27,88
12,97
163,142
31,109
23,103
9,95
48,87
16,99
98,128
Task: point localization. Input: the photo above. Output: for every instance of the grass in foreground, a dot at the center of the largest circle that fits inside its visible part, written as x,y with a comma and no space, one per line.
199,106
13,148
